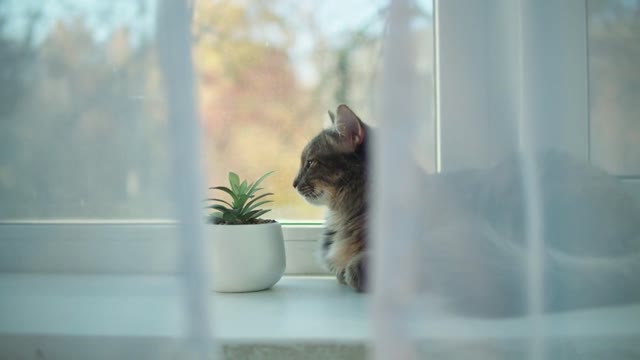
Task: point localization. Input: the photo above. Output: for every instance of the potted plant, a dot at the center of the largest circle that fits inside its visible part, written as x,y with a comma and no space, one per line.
248,252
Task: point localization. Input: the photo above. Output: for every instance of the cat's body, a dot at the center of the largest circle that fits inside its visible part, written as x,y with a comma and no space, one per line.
474,247
473,250
333,173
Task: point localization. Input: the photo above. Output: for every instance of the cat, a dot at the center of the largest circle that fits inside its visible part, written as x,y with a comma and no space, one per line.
333,173
473,250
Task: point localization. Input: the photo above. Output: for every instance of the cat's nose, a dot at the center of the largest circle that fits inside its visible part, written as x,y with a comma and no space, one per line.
295,183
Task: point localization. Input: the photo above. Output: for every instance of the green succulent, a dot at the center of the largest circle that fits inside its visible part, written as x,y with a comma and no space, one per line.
243,208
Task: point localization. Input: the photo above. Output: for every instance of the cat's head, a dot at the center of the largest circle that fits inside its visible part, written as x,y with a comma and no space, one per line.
333,159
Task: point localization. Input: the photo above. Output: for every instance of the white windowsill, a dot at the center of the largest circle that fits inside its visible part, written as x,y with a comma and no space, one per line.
298,308
116,314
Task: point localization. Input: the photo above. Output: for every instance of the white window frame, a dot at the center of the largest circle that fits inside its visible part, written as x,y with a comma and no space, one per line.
122,247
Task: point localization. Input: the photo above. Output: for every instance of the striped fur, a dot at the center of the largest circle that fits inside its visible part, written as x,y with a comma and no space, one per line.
333,173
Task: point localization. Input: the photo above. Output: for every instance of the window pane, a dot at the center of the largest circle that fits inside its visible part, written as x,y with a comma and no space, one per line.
83,131
83,128
269,71
614,64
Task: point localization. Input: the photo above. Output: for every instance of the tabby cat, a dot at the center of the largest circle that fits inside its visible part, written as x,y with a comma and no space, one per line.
473,251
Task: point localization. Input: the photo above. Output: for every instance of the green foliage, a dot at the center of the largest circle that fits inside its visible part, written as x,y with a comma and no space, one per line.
244,205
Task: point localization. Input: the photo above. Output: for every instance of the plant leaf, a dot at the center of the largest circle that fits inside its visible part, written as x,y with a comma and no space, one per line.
222,201
260,213
234,181
216,214
250,206
254,207
230,218
228,191
250,215
248,210
242,199
243,187
220,208
254,186
244,207
215,217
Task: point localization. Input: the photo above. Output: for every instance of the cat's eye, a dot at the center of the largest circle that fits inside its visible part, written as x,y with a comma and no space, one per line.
309,163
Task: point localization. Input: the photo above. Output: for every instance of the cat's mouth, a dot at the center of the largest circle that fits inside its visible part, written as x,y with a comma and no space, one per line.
313,196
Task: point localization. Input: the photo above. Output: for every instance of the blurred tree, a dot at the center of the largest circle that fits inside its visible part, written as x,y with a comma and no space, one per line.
251,103
83,124
85,133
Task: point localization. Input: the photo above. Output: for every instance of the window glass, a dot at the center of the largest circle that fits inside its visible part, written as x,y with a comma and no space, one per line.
269,71
83,129
614,79
82,116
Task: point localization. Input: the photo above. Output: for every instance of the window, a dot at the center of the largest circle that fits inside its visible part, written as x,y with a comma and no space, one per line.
85,159
266,74
85,136
614,55
83,132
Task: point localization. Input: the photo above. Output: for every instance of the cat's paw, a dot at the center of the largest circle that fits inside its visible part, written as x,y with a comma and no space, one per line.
340,276
356,273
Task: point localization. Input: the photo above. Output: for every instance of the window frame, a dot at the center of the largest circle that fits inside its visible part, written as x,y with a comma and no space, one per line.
123,247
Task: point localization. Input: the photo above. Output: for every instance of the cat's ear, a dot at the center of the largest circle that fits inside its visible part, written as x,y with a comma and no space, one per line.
332,116
349,126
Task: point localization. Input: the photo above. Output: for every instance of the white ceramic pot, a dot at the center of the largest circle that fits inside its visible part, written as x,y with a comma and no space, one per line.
246,257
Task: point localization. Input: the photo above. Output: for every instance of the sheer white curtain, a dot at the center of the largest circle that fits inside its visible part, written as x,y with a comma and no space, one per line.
489,210
538,227
174,39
